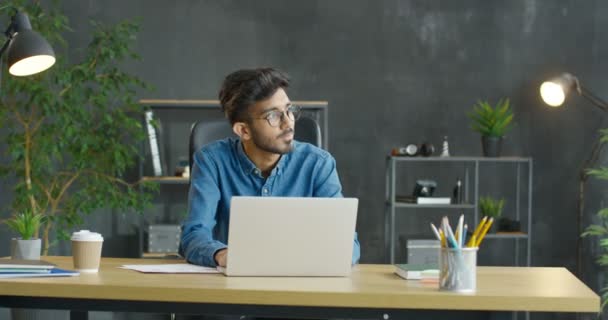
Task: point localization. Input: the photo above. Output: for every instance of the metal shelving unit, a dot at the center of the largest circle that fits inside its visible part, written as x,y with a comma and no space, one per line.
470,202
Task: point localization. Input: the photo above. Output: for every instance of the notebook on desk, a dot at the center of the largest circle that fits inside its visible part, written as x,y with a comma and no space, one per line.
277,236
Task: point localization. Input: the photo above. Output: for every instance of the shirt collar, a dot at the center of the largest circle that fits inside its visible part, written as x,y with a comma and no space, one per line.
249,167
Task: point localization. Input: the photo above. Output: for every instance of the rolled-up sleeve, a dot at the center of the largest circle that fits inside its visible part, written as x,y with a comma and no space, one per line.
327,185
197,244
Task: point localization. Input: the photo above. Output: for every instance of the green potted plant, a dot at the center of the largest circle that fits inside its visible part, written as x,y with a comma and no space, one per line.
27,245
72,132
492,123
492,208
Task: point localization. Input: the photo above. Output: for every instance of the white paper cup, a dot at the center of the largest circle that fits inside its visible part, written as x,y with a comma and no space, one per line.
458,269
86,250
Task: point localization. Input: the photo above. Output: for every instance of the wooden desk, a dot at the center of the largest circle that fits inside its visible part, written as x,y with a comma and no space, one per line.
372,291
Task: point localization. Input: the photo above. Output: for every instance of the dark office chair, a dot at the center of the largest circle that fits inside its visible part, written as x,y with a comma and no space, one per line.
206,131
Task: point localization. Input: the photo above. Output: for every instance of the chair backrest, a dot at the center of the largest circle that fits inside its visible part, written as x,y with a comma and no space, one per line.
308,130
207,131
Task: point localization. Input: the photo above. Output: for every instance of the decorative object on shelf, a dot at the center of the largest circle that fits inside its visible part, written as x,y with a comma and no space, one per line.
457,193
410,150
505,224
155,141
427,149
27,246
70,132
28,52
553,93
445,152
424,188
492,124
183,168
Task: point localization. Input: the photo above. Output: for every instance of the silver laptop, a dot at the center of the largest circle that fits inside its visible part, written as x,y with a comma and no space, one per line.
278,236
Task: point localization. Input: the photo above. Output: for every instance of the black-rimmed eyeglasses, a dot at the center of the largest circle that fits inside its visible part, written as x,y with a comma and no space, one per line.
275,117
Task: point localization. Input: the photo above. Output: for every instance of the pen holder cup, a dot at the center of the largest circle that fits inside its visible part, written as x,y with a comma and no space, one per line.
458,269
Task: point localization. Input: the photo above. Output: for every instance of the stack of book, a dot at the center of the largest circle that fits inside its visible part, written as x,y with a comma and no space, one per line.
424,272
423,200
11,268
433,200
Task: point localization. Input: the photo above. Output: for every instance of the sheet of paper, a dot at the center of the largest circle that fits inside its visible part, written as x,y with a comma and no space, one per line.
169,268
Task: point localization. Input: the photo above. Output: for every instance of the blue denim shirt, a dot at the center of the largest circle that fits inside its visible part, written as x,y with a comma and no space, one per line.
222,170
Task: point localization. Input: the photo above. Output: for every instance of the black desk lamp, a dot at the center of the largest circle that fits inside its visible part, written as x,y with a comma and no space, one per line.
554,93
28,51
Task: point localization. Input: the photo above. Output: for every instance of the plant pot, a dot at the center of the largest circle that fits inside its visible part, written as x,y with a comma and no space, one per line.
25,249
491,146
508,225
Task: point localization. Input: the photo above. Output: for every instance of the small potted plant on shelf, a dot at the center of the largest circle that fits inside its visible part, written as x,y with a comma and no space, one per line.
28,245
492,123
492,208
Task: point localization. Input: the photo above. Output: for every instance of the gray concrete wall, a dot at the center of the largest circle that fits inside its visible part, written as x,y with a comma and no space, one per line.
394,72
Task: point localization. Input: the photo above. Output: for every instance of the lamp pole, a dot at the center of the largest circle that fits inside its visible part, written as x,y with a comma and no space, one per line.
553,93
584,176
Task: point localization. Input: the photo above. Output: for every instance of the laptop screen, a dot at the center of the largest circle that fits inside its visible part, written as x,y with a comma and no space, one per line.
288,236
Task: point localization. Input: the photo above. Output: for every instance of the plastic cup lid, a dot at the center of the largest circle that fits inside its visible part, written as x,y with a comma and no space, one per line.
86,235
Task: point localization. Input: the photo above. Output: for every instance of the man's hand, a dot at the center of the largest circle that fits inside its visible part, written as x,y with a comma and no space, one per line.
220,257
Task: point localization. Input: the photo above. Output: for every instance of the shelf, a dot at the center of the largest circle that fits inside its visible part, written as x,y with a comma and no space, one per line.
505,235
422,206
214,104
167,180
396,204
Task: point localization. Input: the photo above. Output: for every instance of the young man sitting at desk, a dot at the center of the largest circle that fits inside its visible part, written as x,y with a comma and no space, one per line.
264,160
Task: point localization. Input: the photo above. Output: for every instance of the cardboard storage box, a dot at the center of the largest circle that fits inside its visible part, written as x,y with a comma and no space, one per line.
423,251
163,237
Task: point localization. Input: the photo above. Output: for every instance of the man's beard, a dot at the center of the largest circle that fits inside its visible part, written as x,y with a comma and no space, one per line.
273,145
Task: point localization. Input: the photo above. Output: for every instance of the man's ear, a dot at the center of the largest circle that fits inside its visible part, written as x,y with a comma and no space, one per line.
241,129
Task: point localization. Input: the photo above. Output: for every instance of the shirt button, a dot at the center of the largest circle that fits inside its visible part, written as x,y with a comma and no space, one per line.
265,190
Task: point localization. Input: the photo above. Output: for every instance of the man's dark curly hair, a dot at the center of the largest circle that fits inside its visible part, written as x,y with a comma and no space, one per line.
244,88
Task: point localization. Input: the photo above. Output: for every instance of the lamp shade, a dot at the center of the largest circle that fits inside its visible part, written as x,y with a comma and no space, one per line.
29,53
554,91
